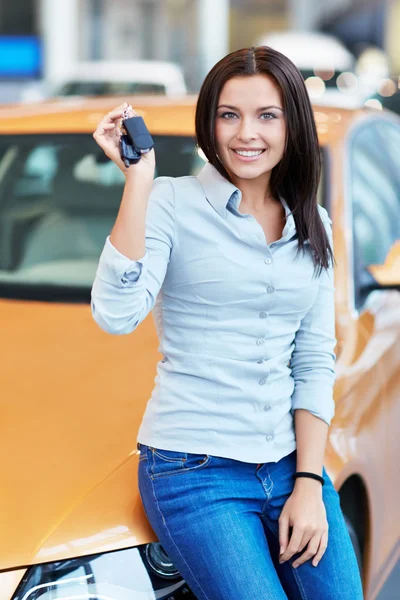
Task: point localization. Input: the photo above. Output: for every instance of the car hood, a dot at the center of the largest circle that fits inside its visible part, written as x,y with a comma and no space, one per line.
71,404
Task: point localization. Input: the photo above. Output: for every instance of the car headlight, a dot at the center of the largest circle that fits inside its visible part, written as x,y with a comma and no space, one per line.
142,573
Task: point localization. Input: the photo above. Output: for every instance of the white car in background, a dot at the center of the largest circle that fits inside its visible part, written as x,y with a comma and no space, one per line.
110,78
325,63
105,78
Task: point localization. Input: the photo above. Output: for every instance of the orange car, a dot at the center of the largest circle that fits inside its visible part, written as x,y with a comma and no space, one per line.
72,396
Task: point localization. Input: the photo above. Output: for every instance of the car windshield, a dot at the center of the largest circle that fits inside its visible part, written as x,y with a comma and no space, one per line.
109,88
59,197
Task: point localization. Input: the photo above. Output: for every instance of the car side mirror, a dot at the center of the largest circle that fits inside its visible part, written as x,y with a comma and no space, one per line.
388,274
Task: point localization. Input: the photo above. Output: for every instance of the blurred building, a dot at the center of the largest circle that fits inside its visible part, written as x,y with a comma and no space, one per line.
192,33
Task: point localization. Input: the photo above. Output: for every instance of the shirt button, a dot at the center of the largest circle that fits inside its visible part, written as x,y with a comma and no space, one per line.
267,407
263,315
124,280
270,289
273,245
269,438
267,261
262,382
260,342
260,362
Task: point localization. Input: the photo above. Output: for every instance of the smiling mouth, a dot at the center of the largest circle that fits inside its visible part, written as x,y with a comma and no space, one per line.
249,152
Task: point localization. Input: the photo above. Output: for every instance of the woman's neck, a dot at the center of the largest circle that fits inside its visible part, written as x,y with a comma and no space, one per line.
256,193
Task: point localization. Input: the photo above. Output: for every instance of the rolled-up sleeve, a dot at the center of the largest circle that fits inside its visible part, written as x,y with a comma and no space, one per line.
124,291
313,357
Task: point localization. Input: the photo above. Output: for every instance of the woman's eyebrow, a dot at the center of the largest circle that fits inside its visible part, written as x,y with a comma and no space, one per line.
258,109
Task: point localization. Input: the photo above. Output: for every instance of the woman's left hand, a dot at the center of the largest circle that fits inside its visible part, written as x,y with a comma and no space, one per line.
305,512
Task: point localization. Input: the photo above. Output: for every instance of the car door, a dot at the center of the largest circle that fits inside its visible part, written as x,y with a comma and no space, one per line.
375,215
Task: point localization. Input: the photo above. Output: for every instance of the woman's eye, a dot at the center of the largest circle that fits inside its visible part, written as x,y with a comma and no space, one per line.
267,116
228,115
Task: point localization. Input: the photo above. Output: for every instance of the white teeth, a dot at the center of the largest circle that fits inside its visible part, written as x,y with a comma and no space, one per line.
249,152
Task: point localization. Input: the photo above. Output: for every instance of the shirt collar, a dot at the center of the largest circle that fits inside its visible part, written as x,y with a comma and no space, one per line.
219,191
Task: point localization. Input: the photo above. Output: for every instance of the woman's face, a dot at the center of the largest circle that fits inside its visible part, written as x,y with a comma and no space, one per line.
250,127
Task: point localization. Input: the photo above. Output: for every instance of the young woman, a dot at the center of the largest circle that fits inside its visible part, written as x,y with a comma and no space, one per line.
237,263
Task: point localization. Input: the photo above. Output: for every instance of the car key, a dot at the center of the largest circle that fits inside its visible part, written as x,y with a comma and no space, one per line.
135,139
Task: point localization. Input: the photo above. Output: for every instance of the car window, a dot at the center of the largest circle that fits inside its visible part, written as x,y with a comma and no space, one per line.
107,88
375,193
59,196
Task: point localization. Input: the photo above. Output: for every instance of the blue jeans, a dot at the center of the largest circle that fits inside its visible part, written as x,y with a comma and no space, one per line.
217,518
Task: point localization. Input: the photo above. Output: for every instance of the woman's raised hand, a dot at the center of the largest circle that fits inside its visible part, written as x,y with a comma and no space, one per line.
107,136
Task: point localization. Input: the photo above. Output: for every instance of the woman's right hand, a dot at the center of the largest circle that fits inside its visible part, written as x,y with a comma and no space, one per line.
107,136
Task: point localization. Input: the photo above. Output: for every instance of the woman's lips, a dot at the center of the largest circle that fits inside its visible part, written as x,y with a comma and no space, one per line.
247,158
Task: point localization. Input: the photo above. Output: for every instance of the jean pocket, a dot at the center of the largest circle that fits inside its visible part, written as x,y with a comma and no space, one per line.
143,451
171,462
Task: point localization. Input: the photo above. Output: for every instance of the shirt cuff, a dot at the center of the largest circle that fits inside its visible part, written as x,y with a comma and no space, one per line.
321,405
117,269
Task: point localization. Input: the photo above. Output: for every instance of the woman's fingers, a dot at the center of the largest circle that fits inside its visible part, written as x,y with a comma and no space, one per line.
283,533
317,545
111,119
322,548
311,550
107,127
116,113
306,538
108,135
130,112
102,129
294,543
119,112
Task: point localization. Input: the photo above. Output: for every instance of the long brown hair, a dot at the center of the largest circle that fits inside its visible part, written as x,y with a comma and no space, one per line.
296,177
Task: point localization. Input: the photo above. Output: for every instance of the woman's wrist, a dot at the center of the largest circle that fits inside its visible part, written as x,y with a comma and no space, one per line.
309,475
308,485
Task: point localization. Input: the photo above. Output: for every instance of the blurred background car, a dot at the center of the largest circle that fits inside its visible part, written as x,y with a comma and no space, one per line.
107,78
73,396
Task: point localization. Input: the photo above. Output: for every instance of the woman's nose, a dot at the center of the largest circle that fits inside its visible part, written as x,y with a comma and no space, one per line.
247,131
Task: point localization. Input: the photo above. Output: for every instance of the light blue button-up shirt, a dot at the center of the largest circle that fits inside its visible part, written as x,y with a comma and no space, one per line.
246,329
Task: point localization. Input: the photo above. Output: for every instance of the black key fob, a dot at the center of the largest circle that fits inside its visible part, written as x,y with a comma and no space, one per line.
135,140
